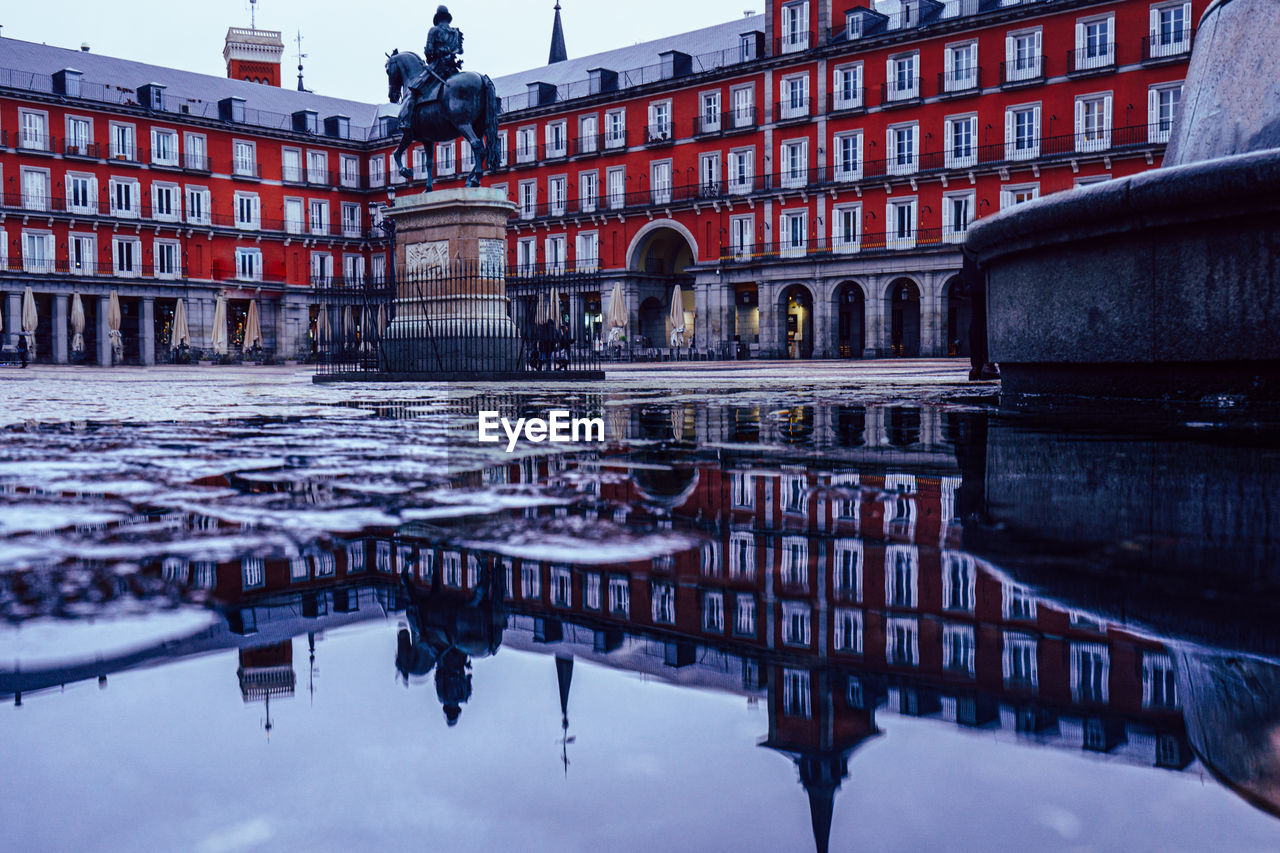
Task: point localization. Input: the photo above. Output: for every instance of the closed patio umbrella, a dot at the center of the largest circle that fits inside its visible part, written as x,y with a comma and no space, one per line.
77,323
114,319
252,328
348,326
323,333
617,314
181,335
676,318
677,422
30,320
219,338
382,321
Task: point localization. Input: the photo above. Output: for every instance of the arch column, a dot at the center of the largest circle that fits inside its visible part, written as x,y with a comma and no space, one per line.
826,315
770,319
931,321
876,317
147,331
104,341
13,315
61,314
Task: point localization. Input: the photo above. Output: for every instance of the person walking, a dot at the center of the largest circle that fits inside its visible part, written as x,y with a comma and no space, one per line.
22,349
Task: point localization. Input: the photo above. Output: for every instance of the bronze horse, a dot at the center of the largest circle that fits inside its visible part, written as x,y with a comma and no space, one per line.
467,106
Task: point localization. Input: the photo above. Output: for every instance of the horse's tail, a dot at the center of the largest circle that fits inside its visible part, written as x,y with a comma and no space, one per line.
492,112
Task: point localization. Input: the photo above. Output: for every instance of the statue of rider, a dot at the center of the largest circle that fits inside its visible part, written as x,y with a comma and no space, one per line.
444,44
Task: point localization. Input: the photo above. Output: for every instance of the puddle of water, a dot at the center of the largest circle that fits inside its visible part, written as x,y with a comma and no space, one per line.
881,624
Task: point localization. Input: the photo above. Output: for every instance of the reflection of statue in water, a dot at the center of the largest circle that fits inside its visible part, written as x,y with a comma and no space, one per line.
445,632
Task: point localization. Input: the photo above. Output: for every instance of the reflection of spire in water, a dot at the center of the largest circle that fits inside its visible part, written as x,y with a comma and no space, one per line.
311,678
564,677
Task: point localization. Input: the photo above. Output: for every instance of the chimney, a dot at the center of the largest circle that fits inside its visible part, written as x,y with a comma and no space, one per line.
254,55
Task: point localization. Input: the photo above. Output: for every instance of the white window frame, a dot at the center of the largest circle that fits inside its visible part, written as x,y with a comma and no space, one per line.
45,260
900,87
557,138
953,232
713,612
710,116
33,130
377,171
588,134
615,129
841,97
899,162
1159,130
797,624
242,165
1020,660
788,244
661,179
88,245
839,169
742,244
195,151
247,202
961,639
1174,41
793,96
953,157
557,195
90,203
1030,66
174,192
248,263
846,634
895,236
1087,659
135,266
318,218
586,251
295,224
134,212
588,191
349,170
352,220
527,143
175,159
1013,144
1009,194
955,79
528,199
1093,53
902,641
159,249
843,215
1097,138
198,213
794,27
81,146
742,104
793,163
124,142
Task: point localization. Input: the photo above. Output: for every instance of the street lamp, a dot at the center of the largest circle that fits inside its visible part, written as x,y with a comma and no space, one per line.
388,227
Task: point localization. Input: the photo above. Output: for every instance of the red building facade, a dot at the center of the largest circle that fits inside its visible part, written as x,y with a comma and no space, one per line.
806,175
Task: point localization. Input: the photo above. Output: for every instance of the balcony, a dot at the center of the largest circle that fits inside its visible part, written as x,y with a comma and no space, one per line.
900,92
616,139
1027,71
197,163
1170,45
704,125
320,178
741,119
555,150
81,149
656,135
792,109
1098,59
128,155
876,243
246,171
36,143
587,145
91,268
793,42
847,100
956,83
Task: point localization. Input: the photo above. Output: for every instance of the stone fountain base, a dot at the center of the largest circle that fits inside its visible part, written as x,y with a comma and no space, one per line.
1160,286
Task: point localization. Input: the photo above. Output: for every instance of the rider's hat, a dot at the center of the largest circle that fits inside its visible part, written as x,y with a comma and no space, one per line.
442,14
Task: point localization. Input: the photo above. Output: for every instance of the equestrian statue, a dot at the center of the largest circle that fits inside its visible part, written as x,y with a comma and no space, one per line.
442,102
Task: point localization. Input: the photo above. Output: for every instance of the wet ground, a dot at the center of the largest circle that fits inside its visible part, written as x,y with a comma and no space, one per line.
777,609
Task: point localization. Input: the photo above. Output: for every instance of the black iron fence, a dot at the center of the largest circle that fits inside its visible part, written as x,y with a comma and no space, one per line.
465,320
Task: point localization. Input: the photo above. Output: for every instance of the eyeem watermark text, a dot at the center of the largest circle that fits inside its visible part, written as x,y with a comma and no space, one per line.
560,427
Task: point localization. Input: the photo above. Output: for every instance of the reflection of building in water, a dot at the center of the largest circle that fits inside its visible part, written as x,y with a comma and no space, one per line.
829,592
267,671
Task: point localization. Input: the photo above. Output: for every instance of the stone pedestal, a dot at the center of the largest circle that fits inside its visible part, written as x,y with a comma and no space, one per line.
451,313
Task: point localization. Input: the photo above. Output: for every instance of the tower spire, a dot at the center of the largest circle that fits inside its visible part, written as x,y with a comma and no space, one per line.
301,56
558,51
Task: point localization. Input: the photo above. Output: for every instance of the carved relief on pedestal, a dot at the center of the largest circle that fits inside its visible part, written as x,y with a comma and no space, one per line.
422,258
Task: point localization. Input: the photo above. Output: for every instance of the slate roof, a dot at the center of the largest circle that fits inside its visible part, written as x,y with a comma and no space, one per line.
720,37
28,65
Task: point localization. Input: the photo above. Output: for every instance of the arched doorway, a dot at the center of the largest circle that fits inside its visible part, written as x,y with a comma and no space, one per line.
959,314
904,309
850,320
663,249
653,323
796,312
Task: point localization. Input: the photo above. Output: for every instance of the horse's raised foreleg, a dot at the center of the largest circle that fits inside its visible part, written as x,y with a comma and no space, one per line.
430,151
398,157
477,153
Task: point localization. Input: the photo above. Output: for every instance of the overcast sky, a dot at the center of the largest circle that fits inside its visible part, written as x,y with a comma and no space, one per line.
346,39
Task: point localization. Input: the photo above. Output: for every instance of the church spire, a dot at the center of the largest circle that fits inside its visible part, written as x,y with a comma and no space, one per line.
558,51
